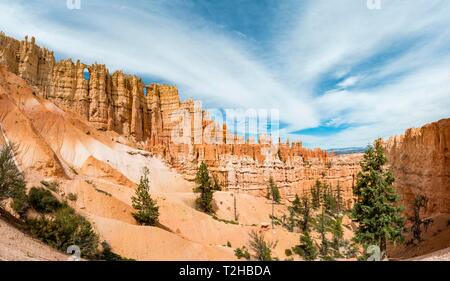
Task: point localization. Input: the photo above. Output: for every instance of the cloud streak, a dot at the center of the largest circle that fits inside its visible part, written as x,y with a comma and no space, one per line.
372,72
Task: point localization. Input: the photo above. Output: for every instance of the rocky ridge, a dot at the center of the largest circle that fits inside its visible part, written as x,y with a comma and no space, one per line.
151,116
420,160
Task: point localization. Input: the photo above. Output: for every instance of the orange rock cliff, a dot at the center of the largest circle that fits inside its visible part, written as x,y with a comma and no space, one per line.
148,116
420,160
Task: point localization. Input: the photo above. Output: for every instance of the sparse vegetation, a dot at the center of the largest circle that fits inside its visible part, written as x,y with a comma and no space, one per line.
350,249
326,223
306,249
205,200
225,221
43,201
51,185
420,203
299,215
339,199
288,252
12,181
316,195
72,197
20,202
376,207
306,215
65,228
56,224
323,227
273,191
242,253
329,201
103,192
147,211
337,242
262,249
294,210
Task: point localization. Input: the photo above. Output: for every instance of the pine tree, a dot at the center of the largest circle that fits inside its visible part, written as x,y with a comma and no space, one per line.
417,222
147,211
262,249
338,235
205,199
329,202
375,210
339,199
202,178
315,195
294,213
306,249
274,192
323,227
12,180
306,215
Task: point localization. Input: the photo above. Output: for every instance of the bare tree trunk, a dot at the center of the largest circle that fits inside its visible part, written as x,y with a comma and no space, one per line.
273,207
235,211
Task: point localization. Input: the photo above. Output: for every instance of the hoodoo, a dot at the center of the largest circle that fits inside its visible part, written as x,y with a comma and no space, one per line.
116,102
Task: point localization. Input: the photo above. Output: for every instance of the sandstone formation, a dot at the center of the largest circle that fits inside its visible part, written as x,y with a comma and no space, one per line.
92,132
152,117
420,160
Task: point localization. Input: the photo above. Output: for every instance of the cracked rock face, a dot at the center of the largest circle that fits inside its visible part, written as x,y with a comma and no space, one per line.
153,117
420,161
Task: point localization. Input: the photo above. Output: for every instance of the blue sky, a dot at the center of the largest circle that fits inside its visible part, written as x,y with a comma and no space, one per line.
340,74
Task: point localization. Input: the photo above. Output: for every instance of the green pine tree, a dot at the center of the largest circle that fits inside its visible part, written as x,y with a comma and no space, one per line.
329,202
339,199
316,195
274,191
202,178
12,180
261,248
376,207
147,211
205,199
338,236
306,215
323,227
294,212
306,249
420,203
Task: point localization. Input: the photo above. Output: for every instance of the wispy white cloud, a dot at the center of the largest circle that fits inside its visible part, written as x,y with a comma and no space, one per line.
396,59
329,63
204,61
348,82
